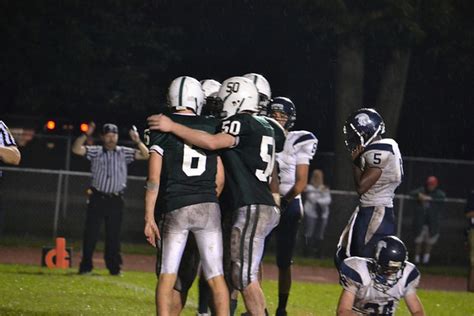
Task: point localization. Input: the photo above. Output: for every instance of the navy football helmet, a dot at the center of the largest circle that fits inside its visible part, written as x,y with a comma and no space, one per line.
361,127
390,259
286,106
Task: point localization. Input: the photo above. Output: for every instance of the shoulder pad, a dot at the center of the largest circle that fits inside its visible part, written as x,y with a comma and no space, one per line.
348,269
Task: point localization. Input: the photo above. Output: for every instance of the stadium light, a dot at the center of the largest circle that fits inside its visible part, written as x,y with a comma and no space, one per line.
50,125
84,127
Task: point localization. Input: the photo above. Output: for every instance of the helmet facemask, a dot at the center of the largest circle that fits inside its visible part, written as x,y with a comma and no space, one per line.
386,277
212,106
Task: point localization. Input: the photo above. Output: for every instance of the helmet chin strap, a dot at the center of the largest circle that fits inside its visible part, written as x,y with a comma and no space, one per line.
374,135
377,132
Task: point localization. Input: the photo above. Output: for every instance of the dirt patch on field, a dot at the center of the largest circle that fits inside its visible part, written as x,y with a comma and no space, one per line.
146,263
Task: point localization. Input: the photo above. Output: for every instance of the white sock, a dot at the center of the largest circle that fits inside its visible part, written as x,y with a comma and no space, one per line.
426,258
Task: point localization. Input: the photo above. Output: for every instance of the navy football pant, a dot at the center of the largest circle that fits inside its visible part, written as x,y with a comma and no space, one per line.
366,227
286,232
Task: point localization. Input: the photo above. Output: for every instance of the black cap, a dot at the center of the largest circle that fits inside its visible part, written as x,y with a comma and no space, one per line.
109,128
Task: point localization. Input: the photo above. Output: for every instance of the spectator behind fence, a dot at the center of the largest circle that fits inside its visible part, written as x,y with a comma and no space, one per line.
469,211
9,154
427,217
316,211
109,180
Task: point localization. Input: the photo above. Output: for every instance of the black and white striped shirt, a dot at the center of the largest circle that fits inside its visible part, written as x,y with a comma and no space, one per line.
109,167
6,138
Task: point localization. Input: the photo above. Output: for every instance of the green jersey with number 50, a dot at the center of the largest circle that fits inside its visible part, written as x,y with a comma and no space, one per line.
248,165
189,172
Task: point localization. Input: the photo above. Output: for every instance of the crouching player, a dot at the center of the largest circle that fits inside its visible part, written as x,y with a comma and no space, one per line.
375,286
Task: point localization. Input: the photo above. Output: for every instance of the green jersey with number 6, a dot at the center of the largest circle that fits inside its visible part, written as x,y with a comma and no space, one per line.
248,165
190,172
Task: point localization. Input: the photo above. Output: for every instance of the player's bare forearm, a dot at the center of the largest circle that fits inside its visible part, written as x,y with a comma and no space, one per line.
300,183
220,176
274,181
150,203
152,185
10,155
414,305
346,301
364,180
142,153
78,145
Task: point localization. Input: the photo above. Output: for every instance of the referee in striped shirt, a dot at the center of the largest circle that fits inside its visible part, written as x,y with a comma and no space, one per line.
9,154
109,179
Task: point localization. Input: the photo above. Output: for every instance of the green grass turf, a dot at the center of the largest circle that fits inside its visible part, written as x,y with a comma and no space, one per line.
145,249
30,290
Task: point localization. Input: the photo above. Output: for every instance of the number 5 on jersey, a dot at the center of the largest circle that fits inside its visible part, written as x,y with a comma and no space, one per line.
267,153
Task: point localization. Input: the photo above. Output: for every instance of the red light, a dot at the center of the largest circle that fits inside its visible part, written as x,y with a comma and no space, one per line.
84,127
51,125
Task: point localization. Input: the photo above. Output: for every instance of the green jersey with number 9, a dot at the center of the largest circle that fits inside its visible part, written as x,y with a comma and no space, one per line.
249,164
189,171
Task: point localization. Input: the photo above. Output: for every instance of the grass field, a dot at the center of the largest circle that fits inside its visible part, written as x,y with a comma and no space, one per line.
30,290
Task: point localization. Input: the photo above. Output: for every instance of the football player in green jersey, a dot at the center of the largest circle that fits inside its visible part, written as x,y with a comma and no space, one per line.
248,152
190,198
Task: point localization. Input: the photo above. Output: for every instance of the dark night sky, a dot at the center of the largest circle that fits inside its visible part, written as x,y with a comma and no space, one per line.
222,41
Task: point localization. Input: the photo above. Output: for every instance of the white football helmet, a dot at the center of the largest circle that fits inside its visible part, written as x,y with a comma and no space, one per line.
238,94
210,87
186,93
262,84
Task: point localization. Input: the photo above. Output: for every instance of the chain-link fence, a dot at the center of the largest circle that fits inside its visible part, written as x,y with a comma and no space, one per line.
45,203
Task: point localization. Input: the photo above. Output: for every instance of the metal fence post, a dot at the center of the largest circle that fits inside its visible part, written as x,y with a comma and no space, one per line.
400,215
58,203
66,177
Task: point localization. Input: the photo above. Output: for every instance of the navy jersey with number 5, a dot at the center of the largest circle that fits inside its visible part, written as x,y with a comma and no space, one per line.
188,173
249,164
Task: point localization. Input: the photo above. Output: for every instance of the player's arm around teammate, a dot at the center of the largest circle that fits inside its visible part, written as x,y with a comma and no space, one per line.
198,138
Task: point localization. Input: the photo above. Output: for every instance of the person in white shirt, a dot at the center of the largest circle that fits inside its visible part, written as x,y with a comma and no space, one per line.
316,213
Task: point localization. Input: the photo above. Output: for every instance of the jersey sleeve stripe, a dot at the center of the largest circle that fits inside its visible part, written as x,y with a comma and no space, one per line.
412,276
6,138
304,138
383,147
350,273
157,149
